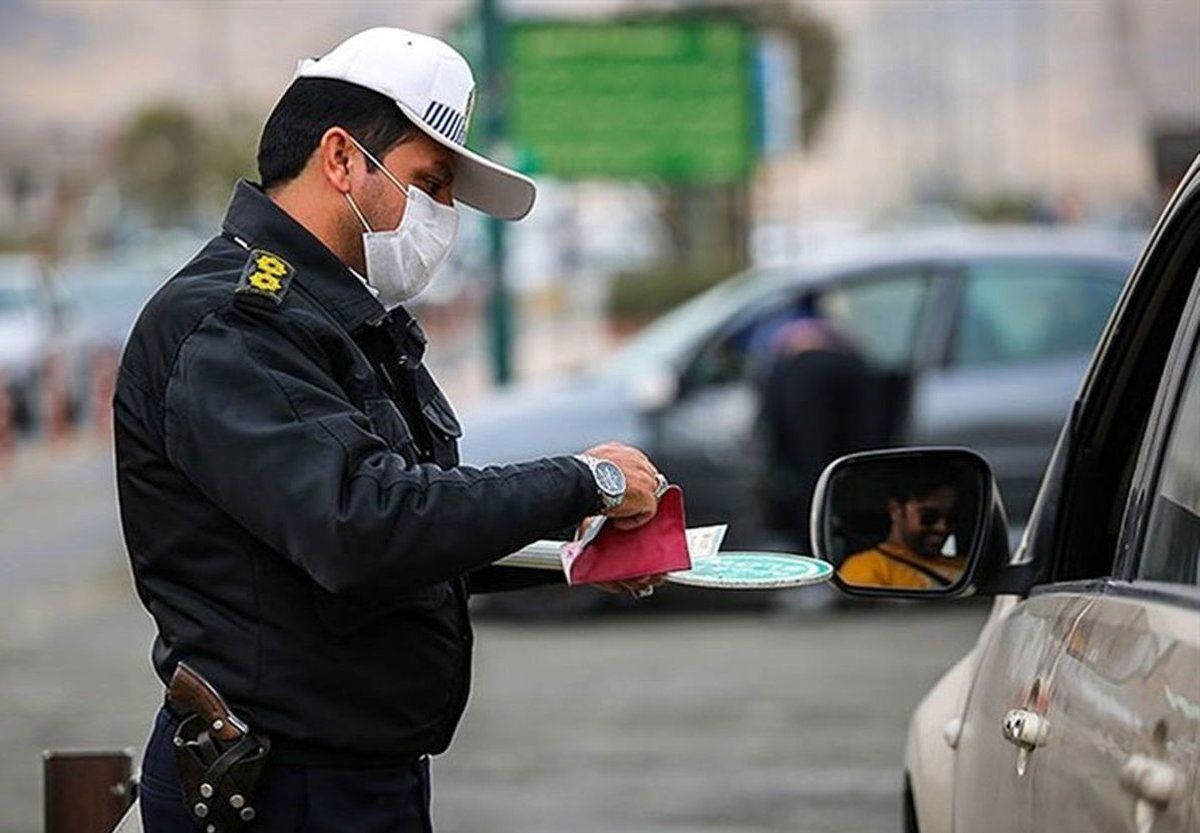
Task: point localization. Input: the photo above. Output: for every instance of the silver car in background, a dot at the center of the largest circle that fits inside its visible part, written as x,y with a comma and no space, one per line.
979,337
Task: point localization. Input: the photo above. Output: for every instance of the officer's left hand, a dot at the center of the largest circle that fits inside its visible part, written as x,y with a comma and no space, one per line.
638,587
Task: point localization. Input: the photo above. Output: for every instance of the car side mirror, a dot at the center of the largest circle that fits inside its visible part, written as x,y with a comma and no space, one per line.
913,522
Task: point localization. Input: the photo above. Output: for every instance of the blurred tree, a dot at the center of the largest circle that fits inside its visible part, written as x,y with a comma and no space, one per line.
176,168
228,152
816,47
707,226
157,163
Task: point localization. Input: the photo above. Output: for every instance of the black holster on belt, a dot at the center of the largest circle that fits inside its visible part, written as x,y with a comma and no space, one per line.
220,760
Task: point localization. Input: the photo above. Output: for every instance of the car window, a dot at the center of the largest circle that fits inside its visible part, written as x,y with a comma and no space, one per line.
668,339
1171,547
1023,310
743,349
878,315
881,315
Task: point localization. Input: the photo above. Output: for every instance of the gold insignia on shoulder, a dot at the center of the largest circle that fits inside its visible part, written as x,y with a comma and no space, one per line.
265,274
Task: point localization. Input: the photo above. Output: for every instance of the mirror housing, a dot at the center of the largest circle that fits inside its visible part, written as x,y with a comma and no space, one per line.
942,501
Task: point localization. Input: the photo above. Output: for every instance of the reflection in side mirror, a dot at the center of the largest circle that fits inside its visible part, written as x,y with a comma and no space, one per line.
904,522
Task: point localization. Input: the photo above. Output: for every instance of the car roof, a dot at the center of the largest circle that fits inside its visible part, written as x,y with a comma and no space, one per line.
860,252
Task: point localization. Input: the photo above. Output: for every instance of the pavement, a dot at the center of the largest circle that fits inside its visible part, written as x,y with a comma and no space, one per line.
638,720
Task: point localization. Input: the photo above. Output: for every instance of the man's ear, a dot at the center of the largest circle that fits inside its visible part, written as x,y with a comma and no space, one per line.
894,509
334,159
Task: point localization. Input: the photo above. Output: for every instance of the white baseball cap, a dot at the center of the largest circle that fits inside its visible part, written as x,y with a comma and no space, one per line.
433,86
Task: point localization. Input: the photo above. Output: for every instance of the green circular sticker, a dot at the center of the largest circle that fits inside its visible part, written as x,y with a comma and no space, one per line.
753,571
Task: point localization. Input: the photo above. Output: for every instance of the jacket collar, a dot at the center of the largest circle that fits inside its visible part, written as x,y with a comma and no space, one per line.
254,220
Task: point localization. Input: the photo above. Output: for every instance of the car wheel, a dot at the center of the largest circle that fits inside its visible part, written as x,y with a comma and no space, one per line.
910,809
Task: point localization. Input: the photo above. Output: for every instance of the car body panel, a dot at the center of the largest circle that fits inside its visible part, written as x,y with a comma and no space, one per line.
1127,683
1016,670
708,443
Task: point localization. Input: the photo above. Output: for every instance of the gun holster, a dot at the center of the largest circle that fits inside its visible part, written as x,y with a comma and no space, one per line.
220,760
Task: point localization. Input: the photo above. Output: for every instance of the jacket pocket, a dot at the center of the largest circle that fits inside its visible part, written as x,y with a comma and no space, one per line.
436,409
388,423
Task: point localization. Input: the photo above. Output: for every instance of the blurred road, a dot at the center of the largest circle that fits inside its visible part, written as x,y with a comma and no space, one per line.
630,722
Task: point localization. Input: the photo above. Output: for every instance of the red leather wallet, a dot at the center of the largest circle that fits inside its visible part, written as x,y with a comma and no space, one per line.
605,553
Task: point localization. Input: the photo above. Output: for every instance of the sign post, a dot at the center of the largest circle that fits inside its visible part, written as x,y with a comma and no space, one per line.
499,302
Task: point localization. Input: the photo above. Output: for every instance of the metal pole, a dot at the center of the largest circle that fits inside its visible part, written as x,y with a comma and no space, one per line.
499,309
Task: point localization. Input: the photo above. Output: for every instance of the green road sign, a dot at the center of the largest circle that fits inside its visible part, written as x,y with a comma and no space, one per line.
666,98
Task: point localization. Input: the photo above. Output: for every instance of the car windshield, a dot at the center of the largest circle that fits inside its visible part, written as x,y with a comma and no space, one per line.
664,341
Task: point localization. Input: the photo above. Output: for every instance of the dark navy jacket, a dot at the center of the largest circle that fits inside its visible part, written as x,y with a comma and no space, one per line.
298,524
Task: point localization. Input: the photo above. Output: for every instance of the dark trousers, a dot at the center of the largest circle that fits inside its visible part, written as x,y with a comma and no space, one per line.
294,799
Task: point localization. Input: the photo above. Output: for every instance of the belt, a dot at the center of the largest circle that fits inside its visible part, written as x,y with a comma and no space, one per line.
290,752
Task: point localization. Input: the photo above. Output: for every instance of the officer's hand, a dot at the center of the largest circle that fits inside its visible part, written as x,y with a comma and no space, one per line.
639,588
641,482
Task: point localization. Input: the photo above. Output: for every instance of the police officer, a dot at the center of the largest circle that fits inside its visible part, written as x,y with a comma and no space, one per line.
299,526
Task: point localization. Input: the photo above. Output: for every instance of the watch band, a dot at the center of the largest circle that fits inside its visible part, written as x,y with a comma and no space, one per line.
607,500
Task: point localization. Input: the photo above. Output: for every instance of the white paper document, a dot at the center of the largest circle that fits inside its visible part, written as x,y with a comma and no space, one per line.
703,542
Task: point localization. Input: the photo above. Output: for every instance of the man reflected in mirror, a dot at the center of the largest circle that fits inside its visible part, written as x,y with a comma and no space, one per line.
919,551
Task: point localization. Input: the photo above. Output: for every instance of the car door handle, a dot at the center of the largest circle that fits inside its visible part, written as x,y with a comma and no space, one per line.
1151,780
1025,729
1153,783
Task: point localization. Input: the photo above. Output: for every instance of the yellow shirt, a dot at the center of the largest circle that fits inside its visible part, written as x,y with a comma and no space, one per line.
884,566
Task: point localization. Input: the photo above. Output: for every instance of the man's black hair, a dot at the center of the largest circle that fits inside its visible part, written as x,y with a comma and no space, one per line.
308,108
917,483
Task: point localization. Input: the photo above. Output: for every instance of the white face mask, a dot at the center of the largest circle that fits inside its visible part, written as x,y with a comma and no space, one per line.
401,263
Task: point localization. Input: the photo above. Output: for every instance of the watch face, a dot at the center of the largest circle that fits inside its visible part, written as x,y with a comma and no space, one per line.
609,478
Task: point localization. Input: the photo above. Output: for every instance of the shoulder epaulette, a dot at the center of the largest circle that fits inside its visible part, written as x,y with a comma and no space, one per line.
266,275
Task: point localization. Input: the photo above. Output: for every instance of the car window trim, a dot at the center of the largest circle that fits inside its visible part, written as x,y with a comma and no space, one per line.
1076,482
1185,352
936,332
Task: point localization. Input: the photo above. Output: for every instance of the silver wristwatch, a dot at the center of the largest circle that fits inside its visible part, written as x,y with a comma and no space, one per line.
610,480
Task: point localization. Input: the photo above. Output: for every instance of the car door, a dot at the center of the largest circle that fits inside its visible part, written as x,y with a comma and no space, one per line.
1076,703
707,439
1016,674
1124,721
1020,343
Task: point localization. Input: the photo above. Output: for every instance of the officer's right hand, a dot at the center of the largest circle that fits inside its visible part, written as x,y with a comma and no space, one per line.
641,482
